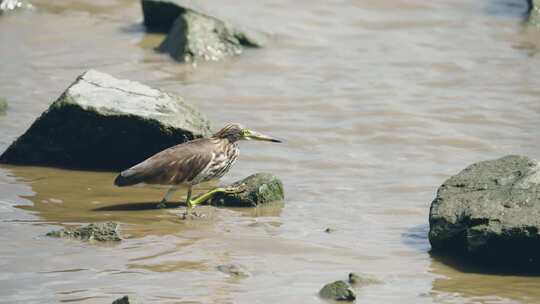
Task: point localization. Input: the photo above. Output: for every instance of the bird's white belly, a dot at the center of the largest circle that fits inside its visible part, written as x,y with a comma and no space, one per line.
216,167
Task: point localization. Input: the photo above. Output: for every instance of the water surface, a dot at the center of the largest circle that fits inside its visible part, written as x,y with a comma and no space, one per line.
380,102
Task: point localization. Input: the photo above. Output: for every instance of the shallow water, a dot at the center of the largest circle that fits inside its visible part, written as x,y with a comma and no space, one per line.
380,101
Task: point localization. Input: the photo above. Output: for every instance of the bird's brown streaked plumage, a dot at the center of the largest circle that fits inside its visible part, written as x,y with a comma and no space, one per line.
173,166
191,163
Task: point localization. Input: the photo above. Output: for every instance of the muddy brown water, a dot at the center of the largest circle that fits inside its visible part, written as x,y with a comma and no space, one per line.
379,101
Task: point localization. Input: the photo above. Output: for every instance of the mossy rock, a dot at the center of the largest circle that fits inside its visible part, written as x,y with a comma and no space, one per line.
338,290
259,188
101,232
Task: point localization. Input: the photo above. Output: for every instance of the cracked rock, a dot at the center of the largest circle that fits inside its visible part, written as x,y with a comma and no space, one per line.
104,123
490,211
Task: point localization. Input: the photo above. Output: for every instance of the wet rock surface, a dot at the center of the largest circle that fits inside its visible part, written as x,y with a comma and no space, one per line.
338,290
101,232
105,123
195,36
490,212
259,188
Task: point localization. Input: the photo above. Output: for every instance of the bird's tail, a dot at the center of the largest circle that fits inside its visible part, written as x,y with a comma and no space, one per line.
126,178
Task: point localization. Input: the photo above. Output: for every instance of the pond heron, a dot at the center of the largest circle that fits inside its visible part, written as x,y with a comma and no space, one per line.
191,163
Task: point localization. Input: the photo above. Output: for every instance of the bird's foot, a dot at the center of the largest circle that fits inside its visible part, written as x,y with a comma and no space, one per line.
191,215
161,205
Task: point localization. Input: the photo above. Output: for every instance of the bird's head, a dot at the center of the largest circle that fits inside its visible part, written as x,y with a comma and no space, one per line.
235,132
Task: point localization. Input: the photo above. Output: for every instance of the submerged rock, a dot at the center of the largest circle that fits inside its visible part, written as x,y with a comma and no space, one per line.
105,123
101,232
338,290
124,300
3,106
260,188
195,36
490,211
233,270
362,279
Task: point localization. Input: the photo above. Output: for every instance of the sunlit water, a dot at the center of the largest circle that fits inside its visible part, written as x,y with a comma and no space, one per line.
379,102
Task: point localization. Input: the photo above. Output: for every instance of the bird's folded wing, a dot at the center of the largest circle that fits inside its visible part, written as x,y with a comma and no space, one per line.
173,166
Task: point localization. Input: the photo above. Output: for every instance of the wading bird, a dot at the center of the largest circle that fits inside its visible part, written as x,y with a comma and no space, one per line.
191,163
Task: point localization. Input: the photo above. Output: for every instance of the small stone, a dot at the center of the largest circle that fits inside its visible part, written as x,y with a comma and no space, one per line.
360,280
233,270
338,290
101,232
125,300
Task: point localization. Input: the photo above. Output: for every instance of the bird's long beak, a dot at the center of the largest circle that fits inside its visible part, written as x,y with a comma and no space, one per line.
258,136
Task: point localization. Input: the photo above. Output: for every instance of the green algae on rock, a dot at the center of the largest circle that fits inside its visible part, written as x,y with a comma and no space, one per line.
338,290
490,212
105,123
101,232
259,188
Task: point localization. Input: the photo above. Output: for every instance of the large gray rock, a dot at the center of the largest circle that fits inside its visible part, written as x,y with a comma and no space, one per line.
490,211
104,123
195,36
259,188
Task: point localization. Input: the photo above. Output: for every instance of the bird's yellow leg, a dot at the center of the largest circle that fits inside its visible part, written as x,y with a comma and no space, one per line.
208,195
168,195
188,197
